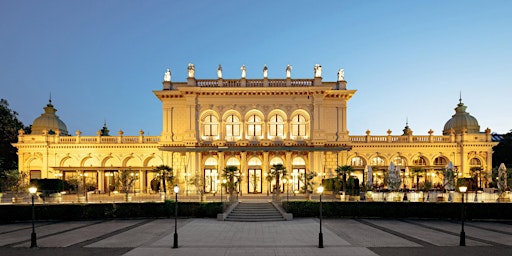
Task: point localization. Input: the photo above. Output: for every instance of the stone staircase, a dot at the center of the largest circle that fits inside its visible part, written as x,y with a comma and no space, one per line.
254,212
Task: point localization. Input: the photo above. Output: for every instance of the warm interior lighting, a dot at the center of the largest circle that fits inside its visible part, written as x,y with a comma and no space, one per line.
176,189
463,189
320,190
32,190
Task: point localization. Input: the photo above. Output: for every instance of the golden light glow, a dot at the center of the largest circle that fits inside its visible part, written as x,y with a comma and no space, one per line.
463,189
32,190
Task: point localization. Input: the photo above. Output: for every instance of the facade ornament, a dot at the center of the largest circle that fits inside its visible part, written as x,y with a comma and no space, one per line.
318,70
167,75
243,71
265,71
341,75
191,70
219,72
288,71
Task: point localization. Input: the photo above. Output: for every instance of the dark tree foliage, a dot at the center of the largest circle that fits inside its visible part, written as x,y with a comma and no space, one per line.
503,151
9,126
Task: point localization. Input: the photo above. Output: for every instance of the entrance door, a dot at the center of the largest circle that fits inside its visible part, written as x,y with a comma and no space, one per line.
210,180
255,181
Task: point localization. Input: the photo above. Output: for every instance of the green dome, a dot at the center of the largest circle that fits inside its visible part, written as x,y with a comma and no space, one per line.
49,121
461,120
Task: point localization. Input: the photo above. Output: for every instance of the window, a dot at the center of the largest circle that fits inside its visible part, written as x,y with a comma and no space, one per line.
377,161
276,126
357,161
440,161
211,124
399,161
475,161
298,124
420,161
254,126
232,126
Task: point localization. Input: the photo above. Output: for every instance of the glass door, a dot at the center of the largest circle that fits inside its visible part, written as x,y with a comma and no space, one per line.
255,181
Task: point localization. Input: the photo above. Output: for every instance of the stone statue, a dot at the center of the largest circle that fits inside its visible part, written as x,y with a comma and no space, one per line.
219,72
167,75
265,71
288,71
318,70
243,71
191,70
341,75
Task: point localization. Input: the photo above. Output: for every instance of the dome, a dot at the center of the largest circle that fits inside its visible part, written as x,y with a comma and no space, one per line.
461,120
49,121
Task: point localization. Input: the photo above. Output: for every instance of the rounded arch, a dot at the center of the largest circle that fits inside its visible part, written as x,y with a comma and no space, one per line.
298,161
68,161
299,124
276,160
233,161
254,161
153,161
399,160
420,160
33,163
276,126
231,112
475,161
254,124
357,161
378,161
232,125
211,161
441,161
209,122
89,161
131,161
110,161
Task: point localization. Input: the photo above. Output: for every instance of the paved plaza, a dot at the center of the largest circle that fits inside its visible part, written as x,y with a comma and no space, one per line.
297,237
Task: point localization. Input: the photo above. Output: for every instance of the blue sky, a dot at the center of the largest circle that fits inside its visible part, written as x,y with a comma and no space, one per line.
101,60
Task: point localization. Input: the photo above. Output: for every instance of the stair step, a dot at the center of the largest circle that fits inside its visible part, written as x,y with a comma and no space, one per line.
255,212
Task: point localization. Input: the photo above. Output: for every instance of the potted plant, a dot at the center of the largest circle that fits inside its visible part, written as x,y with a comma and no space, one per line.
308,183
342,173
164,175
126,181
231,173
277,171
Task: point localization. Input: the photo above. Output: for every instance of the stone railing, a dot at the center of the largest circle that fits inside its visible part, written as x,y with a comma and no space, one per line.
415,139
255,83
88,139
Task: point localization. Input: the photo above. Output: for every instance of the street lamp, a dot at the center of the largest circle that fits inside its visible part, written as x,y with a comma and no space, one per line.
176,191
463,190
320,190
33,238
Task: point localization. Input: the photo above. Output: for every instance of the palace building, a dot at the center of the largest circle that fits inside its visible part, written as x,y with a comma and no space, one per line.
209,124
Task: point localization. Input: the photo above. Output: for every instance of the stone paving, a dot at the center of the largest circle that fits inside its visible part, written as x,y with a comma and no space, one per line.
367,237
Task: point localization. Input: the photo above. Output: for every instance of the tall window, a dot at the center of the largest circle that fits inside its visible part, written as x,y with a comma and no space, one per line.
254,126
420,161
377,161
276,126
298,124
211,126
440,161
357,161
232,126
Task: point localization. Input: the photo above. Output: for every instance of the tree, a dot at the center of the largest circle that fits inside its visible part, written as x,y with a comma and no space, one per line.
9,127
277,171
501,152
343,172
231,174
165,175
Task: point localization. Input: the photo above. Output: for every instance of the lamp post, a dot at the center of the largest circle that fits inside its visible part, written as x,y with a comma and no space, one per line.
176,191
463,190
320,190
33,237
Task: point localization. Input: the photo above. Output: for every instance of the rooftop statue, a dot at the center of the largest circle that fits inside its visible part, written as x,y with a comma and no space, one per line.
219,72
341,75
191,70
318,70
243,71
167,75
288,71
265,71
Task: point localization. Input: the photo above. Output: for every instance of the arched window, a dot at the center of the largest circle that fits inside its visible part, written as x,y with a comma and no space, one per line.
377,161
298,126
233,161
419,161
475,161
232,127
210,126
440,161
254,126
276,126
399,161
357,161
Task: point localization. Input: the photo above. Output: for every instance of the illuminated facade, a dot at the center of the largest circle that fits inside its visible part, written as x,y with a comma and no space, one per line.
253,124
